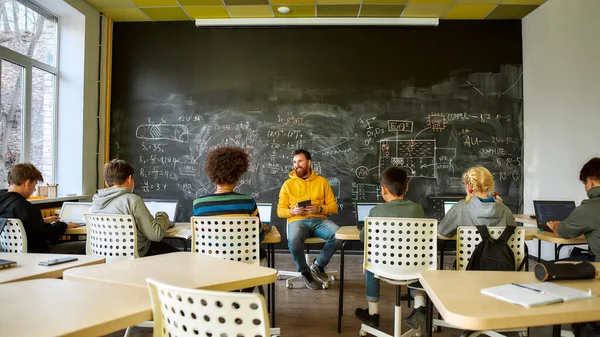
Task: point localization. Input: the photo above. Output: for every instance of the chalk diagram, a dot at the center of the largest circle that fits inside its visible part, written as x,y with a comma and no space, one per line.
175,132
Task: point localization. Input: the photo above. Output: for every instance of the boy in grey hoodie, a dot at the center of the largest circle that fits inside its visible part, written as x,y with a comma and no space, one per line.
119,198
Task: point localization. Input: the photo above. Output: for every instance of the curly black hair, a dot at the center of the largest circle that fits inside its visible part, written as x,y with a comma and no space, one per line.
226,165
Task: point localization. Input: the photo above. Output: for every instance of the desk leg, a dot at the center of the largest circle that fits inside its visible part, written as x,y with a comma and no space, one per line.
341,293
539,250
429,317
271,264
556,330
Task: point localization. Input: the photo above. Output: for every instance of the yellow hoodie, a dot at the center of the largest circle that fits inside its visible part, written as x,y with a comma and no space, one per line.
314,188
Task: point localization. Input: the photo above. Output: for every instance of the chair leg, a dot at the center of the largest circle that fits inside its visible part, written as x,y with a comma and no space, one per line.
127,332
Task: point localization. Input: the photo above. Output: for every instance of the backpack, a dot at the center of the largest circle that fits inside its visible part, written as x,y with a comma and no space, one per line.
494,254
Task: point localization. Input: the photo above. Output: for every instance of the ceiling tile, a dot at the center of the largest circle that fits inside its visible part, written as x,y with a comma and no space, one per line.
469,12
101,4
166,14
339,2
430,2
337,10
389,11
386,2
477,2
425,11
125,14
201,2
523,2
207,12
296,12
511,12
246,2
151,3
292,2
263,11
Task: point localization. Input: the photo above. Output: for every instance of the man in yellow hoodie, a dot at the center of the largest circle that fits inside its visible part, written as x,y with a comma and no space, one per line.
305,200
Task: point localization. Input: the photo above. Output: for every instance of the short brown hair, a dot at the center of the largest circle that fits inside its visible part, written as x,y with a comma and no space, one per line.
395,180
591,170
226,165
22,172
116,172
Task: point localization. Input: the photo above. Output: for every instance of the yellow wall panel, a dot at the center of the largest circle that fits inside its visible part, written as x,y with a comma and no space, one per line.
477,2
337,10
469,12
150,3
381,11
425,11
386,2
262,11
506,12
205,12
307,11
101,4
523,2
430,2
339,2
166,14
126,15
292,2
187,3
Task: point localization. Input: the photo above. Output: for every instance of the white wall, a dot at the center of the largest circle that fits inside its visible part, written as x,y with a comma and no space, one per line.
561,88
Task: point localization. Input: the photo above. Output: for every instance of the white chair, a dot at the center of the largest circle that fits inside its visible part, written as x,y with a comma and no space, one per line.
296,276
396,251
467,238
191,312
113,236
13,238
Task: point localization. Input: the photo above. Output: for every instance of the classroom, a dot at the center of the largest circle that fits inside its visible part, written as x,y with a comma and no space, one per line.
433,87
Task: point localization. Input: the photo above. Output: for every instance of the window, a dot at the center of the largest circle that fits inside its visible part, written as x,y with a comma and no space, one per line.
28,73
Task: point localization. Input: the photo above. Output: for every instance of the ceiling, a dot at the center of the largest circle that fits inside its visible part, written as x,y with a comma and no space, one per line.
181,10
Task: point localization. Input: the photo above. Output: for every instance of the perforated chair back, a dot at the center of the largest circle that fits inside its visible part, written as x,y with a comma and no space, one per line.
232,238
13,238
400,248
192,312
467,238
113,236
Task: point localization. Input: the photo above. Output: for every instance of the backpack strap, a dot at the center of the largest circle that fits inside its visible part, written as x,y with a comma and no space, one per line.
525,259
483,232
506,234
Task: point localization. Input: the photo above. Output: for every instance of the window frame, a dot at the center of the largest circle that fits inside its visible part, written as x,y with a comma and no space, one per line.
29,63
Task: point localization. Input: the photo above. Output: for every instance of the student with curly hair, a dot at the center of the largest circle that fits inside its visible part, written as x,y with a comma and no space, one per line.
224,167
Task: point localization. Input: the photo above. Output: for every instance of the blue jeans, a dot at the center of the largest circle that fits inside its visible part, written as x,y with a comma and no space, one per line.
300,230
374,283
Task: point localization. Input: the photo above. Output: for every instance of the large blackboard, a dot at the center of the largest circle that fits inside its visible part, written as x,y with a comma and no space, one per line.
434,101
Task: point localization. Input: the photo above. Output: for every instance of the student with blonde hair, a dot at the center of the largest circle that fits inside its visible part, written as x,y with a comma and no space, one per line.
481,207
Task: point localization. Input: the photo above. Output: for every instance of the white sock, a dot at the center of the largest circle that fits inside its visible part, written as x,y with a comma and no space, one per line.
373,308
419,301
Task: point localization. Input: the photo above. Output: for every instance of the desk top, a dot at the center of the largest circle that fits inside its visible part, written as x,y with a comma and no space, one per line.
184,269
549,237
49,307
456,295
525,219
27,267
349,233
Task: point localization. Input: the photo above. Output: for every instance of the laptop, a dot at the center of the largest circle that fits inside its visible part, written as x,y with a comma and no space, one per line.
74,212
7,264
264,210
448,205
363,209
162,205
551,211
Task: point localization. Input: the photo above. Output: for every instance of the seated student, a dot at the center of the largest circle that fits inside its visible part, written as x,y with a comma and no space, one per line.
481,207
394,184
42,233
224,167
119,198
585,219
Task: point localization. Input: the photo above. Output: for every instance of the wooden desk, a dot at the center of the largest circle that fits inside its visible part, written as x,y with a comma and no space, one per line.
49,307
27,267
456,295
183,269
525,219
559,243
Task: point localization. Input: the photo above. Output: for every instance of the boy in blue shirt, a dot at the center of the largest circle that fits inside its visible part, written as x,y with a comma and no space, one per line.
394,184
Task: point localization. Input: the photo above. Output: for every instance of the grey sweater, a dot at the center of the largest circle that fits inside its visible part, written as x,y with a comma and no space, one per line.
585,219
117,200
476,213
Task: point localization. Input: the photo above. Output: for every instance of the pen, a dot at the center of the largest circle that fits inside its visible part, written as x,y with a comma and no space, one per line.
522,286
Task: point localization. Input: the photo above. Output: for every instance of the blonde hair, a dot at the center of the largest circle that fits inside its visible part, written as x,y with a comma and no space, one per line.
481,180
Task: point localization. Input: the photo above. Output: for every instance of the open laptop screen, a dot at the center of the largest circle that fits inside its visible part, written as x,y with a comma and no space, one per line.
551,211
363,209
264,210
74,212
448,205
167,206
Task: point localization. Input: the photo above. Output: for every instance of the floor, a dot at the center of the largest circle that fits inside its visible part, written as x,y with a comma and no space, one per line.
302,312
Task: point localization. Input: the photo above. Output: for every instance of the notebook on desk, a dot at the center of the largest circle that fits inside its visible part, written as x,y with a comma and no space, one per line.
551,211
7,264
363,209
535,294
74,212
167,206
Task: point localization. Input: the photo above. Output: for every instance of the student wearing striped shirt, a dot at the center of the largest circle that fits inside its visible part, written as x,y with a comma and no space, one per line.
224,167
